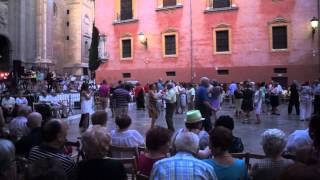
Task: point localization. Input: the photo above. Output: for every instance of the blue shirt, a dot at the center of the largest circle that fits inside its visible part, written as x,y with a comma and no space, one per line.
182,166
236,171
201,97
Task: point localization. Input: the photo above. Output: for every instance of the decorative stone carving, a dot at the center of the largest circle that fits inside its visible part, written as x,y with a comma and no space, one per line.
3,16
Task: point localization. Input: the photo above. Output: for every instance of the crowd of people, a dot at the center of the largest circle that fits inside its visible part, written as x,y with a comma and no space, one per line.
204,149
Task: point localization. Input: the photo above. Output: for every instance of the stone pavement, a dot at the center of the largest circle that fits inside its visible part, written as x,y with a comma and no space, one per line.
249,133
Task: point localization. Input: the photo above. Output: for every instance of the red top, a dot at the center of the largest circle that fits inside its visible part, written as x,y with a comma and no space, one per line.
145,164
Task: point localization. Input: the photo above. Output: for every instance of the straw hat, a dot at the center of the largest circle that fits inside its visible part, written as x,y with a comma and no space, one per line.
193,116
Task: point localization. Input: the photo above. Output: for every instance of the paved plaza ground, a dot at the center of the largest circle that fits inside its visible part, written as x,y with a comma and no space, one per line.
249,133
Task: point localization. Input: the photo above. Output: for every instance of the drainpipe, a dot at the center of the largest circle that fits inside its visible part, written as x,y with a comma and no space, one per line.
191,42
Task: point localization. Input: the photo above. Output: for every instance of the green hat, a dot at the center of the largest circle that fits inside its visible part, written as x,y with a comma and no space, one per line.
193,116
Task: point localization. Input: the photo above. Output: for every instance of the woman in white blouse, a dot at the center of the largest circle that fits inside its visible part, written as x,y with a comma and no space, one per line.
125,137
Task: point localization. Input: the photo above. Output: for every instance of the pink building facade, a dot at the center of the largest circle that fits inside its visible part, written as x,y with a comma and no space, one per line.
250,31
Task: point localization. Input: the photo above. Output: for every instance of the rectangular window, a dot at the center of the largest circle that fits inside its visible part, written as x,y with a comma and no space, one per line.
221,3
126,48
170,44
68,11
68,24
126,10
223,72
279,37
280,70
167,3
67,38
126,75
222,41
171,73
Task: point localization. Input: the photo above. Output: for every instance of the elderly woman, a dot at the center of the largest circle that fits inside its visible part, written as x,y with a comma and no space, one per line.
158,144
273,144
225,166
8,169
96,145
123,136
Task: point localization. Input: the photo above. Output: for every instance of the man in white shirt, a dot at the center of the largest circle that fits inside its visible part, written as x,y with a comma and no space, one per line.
44,98
171,99
297,140
191,93
20,100
57,105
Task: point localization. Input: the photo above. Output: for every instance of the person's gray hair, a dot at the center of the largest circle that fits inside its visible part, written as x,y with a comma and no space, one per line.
202,79
7,154
273,142
96,142
187,142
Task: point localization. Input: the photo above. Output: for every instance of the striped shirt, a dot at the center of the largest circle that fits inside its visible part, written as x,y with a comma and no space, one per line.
182,166
122,97
42,152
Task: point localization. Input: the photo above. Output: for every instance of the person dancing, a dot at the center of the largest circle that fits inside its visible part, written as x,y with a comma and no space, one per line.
153,110
86,107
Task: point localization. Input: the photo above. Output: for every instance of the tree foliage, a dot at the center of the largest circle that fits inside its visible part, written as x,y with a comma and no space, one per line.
94,61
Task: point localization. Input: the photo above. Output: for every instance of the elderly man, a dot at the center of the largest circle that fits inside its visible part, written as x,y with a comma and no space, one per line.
183,164
54,136
18,126
96,147
202,103
8,169
34,138
170,98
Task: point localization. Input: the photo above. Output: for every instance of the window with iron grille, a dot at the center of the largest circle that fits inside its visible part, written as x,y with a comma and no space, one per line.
280,70
167,3
221,3
222,41
223,72
171,73
126,75
279,37
126,10
170,44
126,48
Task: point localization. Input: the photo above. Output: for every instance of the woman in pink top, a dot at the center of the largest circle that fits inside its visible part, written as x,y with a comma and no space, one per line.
158,144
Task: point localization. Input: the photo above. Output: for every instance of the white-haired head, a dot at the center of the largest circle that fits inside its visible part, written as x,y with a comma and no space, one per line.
273,142
7,156
187,142
96,142
204,81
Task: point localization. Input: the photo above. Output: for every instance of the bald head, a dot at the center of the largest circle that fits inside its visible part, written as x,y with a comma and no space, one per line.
34,120
204,81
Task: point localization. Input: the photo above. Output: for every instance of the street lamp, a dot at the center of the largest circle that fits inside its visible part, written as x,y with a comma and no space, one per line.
314,22
143,39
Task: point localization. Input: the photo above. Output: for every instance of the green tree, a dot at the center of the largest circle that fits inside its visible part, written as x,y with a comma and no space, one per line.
94,61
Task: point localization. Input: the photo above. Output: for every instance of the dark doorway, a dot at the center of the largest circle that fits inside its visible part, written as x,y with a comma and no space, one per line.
283,81
4,53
